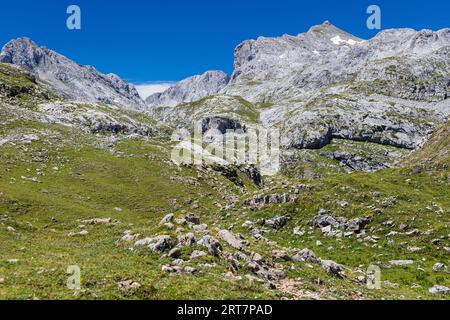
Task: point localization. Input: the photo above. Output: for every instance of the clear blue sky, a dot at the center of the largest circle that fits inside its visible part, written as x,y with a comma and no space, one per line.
148,40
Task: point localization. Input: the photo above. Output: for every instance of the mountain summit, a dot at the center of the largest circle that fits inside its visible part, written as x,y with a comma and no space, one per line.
82,83
190,89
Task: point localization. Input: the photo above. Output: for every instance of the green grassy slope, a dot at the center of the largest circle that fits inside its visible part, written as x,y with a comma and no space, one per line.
53,176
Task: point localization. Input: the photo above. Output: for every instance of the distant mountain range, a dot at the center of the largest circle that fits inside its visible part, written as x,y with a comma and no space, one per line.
89,177
316,86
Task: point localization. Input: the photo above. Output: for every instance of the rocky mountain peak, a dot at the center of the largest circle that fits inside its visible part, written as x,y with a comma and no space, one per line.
326,26
190,89
22,50
62,75
328,34
23,42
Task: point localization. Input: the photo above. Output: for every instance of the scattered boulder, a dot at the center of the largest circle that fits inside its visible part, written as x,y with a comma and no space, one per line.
129,236
231,277
188,269
298,232
260,200
191,218
177,262
401,262
197,254
200,227
357,224
332,268
254,256
269,275
157,244
167,219
211,243
229,238
281,255
174,253
438,266
322,212
128,286
166,268
181,221
322,221
169,225
436,242
100,220
305,255
247,224
439,290
81,233
414,232
186,240
326,222
277,222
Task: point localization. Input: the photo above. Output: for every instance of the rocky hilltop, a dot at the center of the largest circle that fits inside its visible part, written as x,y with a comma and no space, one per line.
190,89
81,83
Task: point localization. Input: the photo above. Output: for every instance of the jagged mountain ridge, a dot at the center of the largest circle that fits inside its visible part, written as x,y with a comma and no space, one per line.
290,66
326,83
190,89
81,83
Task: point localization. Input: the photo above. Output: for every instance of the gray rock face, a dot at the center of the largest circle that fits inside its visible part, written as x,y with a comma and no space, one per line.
284,67
73,81
326,84
220,125
190,89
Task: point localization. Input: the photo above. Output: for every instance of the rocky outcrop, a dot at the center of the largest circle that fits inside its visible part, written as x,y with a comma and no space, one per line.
157,244
276,198
220,125
81,83
190,89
